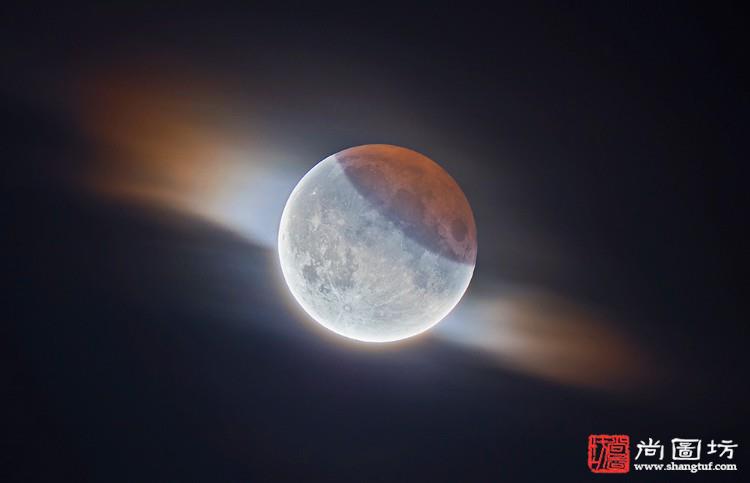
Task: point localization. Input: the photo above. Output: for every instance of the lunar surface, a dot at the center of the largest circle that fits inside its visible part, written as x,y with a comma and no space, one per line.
377,243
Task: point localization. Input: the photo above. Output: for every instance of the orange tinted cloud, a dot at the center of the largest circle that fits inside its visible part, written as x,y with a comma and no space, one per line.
547,336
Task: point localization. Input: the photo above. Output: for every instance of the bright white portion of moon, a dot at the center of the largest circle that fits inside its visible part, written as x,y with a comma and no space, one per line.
377,243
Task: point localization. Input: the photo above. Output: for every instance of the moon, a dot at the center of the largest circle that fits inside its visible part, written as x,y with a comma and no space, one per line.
377,243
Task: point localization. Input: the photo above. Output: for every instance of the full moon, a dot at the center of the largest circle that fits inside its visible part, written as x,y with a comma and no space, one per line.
377,243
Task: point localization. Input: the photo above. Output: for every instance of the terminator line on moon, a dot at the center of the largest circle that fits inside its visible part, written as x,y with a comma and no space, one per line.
377,243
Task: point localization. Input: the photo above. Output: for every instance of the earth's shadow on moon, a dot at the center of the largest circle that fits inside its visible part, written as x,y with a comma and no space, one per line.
417,195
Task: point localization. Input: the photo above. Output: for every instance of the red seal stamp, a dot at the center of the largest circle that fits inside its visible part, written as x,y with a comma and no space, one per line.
609,453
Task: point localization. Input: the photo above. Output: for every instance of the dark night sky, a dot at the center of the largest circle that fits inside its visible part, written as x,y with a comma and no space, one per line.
603,151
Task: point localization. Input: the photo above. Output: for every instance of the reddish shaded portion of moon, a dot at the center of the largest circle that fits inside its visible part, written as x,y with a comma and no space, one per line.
417,195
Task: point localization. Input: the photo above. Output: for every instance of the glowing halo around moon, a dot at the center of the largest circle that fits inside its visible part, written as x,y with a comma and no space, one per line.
377,243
